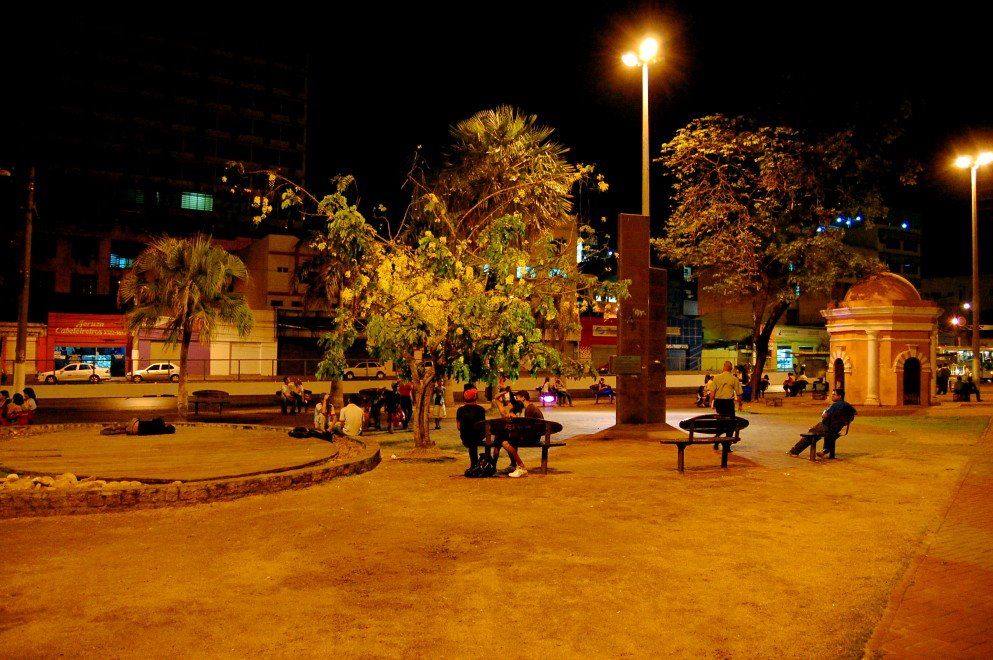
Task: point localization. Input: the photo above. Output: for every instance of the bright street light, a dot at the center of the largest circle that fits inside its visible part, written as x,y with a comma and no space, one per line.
974,163
646,55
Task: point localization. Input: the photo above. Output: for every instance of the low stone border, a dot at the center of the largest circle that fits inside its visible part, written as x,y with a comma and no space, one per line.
64,495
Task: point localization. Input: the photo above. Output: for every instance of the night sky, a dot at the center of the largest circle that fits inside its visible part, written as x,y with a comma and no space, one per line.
389,79
384,90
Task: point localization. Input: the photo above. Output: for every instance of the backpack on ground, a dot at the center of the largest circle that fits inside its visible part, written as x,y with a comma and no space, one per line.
483,468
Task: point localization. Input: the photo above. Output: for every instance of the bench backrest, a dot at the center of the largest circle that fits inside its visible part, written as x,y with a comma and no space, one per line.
211,394
710,425
519,429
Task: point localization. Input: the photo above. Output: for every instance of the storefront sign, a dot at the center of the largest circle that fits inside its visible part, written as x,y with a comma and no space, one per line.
78,329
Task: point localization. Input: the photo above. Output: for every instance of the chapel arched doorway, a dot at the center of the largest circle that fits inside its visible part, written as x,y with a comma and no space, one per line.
912,382
839,374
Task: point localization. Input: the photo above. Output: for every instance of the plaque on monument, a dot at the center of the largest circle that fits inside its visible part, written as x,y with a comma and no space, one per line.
626,365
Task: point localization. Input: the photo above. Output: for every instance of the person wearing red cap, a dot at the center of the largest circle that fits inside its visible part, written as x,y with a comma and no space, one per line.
467,421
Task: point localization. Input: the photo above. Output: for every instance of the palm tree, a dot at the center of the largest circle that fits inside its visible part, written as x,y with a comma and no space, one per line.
500,162
182,286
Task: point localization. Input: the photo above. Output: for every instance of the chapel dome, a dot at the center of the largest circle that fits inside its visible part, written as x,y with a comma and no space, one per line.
883,288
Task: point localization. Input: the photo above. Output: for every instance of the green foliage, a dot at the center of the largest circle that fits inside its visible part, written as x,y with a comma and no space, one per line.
500,163
752,211
753,205
182,286
477,277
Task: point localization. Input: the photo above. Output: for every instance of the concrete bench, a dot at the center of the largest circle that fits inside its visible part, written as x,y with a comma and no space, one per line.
774,399
308,400
218,398
709,427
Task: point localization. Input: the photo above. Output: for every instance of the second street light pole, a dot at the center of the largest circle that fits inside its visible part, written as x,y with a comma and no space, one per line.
647,53
974,163
645,209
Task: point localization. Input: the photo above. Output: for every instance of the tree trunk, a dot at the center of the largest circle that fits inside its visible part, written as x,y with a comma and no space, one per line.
337,395
421,423
182,406
760,341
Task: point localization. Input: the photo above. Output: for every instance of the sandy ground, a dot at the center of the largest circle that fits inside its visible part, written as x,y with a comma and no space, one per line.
613,554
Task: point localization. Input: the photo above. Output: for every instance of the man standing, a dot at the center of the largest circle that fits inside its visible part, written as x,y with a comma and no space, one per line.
834,418
944,374
406,394
725,389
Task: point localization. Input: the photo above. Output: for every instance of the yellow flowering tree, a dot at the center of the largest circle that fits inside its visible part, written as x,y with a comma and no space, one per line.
470,282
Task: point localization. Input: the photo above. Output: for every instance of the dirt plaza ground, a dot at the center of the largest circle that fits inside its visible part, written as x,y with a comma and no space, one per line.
613,554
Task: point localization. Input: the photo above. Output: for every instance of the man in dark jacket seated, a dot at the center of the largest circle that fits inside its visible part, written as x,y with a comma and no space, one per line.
833,420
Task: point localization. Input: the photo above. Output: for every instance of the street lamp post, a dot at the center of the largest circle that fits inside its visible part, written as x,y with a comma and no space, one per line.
646,55
974,163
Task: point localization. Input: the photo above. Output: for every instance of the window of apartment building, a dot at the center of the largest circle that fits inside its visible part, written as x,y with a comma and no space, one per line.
84,285
85,250
42,284
43,250
118,261
193,201
135,196
123,253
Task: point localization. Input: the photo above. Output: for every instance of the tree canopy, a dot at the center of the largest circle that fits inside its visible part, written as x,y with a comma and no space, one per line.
752,209
482,271
180,286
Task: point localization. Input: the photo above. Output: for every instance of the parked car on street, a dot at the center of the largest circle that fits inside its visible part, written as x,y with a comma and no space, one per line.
157,371
368,369
75,373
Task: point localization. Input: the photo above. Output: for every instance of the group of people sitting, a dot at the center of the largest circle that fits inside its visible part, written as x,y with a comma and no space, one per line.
293,398
17,410
795,385
557,389
349,421
468,420
962,390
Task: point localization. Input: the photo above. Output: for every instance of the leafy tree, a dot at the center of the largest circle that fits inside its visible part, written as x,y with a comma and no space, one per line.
182,286
752,209
474,275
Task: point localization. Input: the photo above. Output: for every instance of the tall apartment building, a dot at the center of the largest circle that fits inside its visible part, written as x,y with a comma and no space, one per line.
130,134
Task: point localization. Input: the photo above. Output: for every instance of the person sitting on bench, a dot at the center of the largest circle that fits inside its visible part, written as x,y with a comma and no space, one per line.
833,420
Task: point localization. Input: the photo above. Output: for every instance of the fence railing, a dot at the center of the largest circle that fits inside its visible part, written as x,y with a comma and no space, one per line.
247,369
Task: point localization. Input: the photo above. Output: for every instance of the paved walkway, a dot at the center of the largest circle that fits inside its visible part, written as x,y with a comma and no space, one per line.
943,607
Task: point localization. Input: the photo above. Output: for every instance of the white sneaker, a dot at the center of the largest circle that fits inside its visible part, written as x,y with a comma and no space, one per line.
519,472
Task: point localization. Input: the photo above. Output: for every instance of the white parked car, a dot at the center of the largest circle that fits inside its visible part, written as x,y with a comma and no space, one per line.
368,369
157,371
76,372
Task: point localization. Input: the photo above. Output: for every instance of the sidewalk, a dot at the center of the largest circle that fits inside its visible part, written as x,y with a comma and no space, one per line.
943,608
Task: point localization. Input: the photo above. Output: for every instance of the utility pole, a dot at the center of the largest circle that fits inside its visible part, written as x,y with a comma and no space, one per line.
20,351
